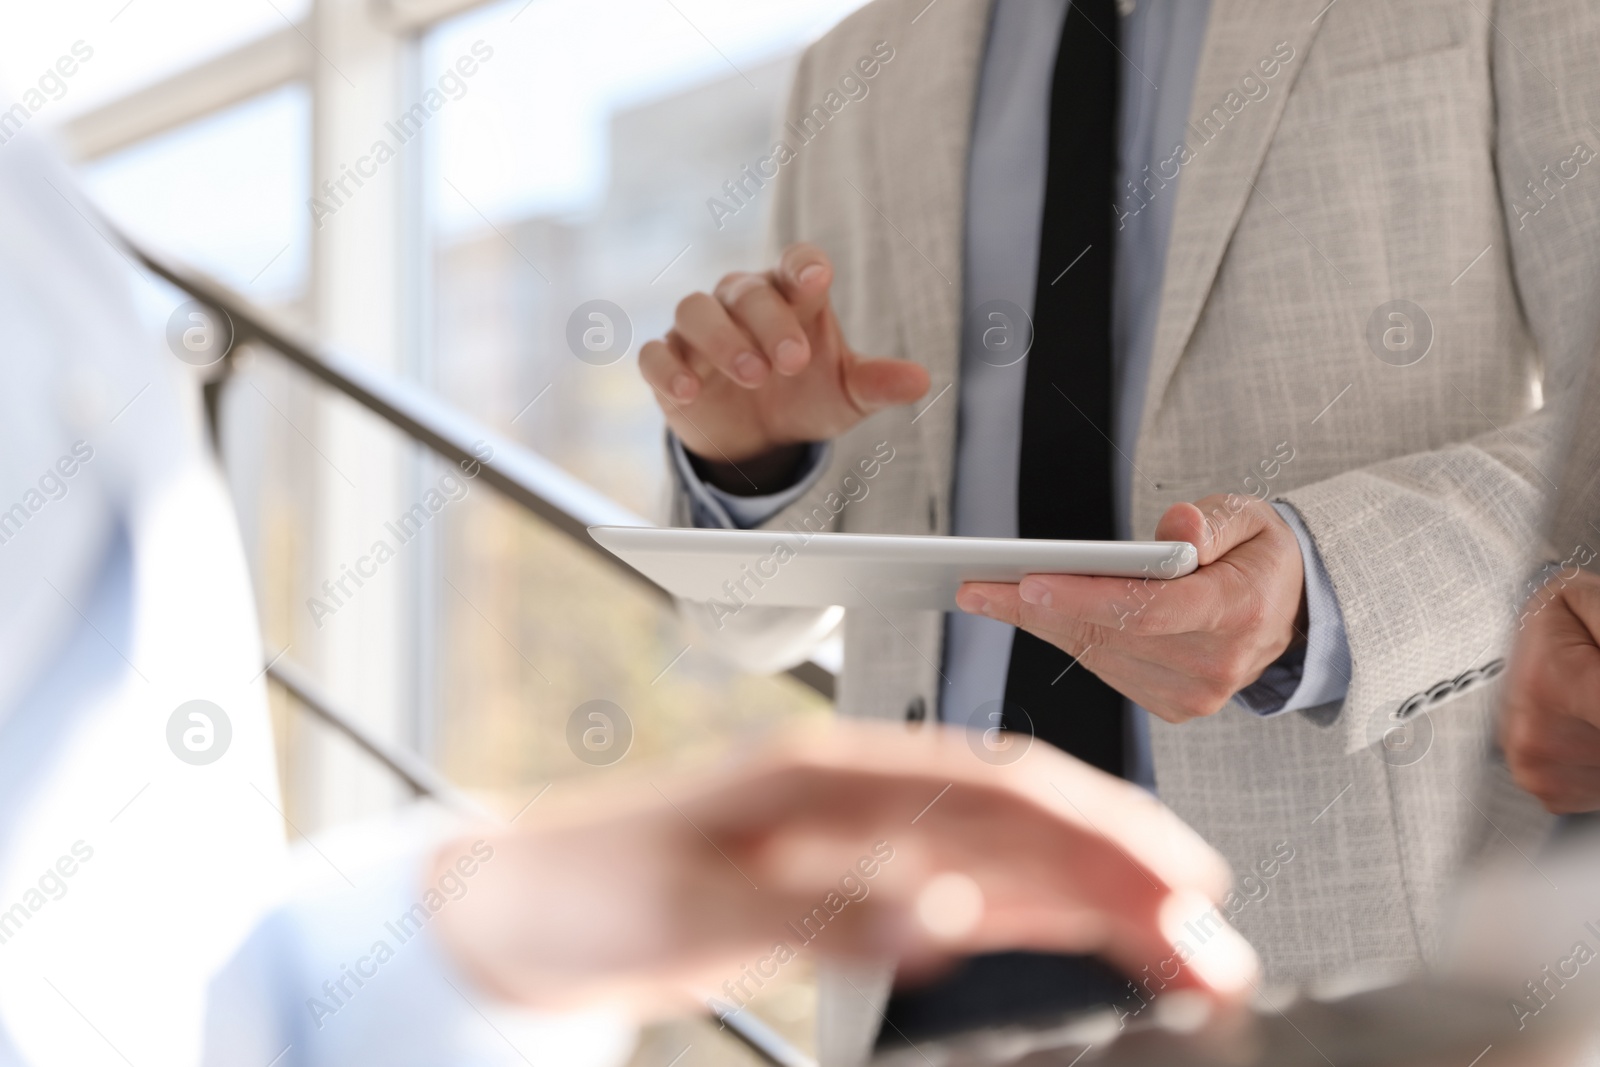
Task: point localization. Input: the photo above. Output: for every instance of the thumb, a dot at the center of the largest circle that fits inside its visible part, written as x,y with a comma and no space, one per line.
1211,525
874,384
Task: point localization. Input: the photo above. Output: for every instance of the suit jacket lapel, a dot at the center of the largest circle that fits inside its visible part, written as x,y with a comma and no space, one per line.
1217,183
919,189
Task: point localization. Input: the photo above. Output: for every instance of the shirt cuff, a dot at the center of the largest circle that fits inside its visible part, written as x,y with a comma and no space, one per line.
1319,673
710,507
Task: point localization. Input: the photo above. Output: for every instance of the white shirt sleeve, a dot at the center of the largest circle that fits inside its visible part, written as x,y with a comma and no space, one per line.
356,975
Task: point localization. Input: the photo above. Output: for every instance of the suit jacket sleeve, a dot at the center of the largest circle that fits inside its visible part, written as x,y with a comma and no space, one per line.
1575,531
1428,552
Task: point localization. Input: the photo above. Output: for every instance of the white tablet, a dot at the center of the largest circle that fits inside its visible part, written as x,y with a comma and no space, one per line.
788,568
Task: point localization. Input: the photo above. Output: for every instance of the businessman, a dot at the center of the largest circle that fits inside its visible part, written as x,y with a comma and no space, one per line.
141,836
1286,280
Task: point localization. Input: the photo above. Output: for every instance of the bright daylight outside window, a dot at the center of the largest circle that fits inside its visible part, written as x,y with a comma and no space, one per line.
575,165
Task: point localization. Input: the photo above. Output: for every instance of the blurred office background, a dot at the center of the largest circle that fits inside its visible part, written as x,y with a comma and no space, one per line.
574,163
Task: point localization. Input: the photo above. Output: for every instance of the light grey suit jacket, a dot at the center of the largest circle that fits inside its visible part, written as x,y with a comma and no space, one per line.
1575,526
1440,152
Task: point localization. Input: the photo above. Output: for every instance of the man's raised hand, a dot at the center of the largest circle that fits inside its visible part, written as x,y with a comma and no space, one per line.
756,369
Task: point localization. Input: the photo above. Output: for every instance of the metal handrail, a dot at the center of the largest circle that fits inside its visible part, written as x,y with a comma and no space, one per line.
406,765
568,504
528,479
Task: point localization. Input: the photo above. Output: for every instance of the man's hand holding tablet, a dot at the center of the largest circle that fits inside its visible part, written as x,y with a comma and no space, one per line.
1182,648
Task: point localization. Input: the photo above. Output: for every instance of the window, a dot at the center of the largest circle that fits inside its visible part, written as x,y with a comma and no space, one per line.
133,43
573,165
577,166
225,194
564,153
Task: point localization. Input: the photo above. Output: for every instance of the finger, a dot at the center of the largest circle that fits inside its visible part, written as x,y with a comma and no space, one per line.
702,368
1186,640
663,370
756,305
871,779
1547,754
1000,601
1183,943
1176,677
1214,525
995,600
712,335
1550,727
1133,821
1003,602
1015,861
875,384
1564,789
1223,961
1133,607
1025,860
803,275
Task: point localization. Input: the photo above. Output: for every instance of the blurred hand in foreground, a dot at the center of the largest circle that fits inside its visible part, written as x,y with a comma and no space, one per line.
850,840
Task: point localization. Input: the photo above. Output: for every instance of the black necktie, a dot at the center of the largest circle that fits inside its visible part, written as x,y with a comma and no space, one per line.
1064,487
1064,490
